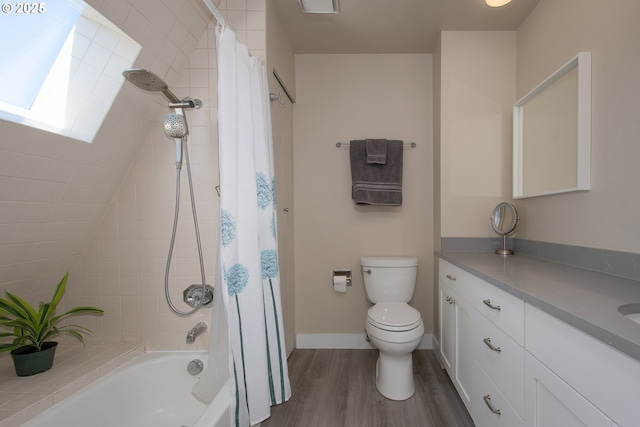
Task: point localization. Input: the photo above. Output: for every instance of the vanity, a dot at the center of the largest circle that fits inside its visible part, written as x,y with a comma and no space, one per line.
529,342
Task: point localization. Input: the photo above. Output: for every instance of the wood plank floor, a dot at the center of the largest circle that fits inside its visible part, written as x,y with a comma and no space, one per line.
336,388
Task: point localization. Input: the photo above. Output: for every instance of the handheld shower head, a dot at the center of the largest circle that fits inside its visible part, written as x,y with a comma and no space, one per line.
148,81
175,126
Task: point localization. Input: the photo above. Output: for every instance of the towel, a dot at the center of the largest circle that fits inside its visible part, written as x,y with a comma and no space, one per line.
377,151
376,184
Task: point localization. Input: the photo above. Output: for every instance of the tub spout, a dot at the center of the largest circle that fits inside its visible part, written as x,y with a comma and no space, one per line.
197,330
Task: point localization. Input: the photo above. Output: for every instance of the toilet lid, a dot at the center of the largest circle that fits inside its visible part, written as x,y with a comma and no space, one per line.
394,316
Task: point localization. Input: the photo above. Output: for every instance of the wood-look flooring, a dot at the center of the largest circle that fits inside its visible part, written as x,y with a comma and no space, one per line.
336,388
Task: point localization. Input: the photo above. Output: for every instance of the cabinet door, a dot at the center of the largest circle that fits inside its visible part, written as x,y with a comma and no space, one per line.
550,402
463,349
447,330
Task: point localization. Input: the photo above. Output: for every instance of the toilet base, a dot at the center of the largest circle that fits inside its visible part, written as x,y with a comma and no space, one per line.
394,376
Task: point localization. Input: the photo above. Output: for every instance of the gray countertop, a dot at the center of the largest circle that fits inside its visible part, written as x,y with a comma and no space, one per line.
585,299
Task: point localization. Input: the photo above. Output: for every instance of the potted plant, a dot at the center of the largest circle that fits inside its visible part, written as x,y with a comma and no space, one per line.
32,329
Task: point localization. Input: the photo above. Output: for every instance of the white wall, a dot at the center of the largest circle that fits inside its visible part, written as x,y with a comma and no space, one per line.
477,91
607,216
341,98
280,56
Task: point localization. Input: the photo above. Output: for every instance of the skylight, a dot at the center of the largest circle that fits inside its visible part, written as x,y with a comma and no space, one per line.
62,64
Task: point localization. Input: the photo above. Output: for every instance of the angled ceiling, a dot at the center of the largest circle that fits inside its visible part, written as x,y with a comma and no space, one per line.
393,26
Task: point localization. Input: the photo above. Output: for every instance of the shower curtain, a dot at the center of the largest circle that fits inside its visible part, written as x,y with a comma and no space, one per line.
248,252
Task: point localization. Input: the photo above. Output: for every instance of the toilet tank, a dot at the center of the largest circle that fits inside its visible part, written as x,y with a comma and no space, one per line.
389,279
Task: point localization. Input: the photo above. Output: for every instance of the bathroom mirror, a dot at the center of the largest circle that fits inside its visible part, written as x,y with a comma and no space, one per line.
504,221
552,133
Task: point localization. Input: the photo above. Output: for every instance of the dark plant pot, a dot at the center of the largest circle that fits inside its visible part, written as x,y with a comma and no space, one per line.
28,361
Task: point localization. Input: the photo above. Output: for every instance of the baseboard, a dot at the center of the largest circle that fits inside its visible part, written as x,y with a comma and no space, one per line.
346,341
436,350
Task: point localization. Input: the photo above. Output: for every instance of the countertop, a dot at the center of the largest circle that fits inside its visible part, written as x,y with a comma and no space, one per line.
585,299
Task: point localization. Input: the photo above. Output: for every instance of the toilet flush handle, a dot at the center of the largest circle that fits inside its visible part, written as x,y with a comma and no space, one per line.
368,271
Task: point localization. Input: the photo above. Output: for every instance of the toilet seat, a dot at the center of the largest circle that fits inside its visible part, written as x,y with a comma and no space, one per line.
394,317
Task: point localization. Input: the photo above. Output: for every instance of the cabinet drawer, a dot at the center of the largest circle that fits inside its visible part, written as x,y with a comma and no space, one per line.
486,393
503,309
455,277
504,363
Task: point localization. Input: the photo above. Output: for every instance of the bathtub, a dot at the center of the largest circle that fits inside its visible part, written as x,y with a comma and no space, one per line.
153,389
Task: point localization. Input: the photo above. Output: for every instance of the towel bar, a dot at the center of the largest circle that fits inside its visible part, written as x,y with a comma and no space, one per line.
404,144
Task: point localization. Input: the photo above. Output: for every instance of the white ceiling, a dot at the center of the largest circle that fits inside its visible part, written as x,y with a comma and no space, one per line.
393,26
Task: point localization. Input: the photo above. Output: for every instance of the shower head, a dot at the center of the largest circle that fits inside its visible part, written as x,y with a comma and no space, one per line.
148,81
175,126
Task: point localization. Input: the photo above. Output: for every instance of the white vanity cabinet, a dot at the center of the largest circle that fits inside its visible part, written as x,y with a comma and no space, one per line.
515,365
572,379
456,326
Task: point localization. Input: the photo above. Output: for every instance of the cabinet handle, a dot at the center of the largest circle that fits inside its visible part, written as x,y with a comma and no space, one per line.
487,400
487,302
487,341
451,277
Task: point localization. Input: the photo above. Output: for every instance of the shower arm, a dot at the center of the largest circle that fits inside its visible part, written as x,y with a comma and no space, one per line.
185,103
176,103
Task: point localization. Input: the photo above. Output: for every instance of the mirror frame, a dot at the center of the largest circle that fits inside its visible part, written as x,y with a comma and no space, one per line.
583,144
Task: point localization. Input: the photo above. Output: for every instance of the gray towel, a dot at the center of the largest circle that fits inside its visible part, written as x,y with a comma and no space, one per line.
376,184
377,151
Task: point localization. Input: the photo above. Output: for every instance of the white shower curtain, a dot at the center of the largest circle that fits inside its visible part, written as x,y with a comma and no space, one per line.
248,245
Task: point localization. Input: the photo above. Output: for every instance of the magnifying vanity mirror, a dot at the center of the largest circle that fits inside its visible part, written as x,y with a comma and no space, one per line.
504,221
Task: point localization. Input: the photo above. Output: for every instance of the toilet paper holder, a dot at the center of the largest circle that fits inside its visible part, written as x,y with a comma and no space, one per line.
346,273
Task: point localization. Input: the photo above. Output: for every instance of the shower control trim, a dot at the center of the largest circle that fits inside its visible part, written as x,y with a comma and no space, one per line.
193,297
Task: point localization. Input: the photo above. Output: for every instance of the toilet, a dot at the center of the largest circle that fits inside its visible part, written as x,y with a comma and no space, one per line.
393,326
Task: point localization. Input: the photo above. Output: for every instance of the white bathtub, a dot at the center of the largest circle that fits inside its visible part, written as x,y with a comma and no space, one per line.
151,390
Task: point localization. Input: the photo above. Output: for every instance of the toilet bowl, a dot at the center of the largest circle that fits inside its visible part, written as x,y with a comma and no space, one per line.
396,343
392,325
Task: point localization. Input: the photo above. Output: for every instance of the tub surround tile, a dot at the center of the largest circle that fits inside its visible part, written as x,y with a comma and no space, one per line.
75,367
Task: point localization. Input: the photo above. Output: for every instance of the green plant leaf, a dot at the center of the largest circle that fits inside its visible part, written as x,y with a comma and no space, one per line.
73,327
77,310
9,309
25,307
60,289
75,334
45,312
9,347
21,327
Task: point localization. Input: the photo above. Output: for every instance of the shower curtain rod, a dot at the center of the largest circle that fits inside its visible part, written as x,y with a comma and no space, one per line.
216,13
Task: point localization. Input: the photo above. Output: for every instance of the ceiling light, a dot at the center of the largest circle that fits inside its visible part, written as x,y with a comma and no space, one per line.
319,6
497,3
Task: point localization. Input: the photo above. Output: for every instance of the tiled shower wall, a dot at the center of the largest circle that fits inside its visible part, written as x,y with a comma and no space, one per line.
54,191
123,268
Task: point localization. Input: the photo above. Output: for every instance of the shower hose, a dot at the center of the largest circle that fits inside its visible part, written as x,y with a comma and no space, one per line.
173,237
